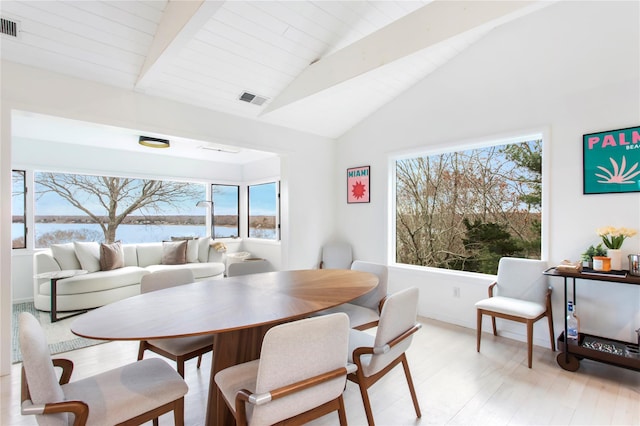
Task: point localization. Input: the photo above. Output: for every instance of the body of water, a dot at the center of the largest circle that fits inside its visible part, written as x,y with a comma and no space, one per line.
132,233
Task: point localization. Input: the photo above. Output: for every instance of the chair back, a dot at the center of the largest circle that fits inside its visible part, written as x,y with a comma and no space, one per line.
372,299
41,377
336,256
164,279
522,279
296,351
398,315
247,267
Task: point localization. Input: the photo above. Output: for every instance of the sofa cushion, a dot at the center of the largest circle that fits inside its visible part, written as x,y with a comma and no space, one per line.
200,270
192,247
65,255
174,252
88,254
97,281
149,254
203,249
111,256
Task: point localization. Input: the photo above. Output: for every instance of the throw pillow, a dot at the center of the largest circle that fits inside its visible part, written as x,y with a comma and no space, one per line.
65,255
88,255
203,249
192,248
111,256
174,252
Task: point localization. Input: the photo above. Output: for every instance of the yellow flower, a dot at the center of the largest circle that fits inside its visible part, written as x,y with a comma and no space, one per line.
614,237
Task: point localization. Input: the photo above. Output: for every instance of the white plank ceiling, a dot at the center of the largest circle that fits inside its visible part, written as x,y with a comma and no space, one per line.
322,66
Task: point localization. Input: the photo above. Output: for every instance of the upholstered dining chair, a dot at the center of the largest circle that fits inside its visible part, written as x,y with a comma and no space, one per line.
300,376
337,255
180,349
364,312
376,355
128,395
246,267
520,293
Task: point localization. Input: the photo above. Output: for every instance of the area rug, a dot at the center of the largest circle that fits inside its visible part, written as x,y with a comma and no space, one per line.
59,335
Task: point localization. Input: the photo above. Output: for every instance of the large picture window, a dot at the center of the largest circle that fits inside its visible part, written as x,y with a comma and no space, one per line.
264,211
73,207
464,210
18,210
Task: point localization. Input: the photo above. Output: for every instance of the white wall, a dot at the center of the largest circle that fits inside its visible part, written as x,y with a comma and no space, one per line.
570,69
305,160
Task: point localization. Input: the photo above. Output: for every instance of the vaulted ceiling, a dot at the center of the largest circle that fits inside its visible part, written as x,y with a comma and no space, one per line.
316,66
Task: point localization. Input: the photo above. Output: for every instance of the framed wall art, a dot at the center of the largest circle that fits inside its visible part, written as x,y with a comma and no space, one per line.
358,185
611,161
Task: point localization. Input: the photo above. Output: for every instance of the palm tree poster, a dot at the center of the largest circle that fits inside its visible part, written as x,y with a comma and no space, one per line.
358,184
611,161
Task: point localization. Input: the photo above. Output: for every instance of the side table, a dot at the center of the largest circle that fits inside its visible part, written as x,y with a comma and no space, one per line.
54,276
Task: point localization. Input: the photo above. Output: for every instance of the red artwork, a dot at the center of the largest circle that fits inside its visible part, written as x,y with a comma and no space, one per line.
358,185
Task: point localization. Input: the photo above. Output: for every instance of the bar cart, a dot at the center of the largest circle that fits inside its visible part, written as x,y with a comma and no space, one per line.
609,351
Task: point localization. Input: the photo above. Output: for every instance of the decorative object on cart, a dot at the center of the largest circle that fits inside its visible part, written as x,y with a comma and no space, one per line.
634,269
601,263
358,185
587,256
613,238
608,165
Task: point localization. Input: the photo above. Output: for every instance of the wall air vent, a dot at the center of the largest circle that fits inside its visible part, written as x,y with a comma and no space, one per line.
252,99
8,27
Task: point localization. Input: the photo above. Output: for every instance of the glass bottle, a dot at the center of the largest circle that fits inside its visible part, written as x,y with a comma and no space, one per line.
573,325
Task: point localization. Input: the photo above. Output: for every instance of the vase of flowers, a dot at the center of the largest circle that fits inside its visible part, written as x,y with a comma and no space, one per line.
613,238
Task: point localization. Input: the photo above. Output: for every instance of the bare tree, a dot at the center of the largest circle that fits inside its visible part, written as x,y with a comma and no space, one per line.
109,200
438,194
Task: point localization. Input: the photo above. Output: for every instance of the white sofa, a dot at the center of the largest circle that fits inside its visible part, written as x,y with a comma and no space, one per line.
99,288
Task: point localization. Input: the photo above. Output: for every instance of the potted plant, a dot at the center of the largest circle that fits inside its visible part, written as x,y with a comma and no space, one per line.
587,256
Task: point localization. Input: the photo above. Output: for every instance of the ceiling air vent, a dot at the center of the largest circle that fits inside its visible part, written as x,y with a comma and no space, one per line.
252,99
8,27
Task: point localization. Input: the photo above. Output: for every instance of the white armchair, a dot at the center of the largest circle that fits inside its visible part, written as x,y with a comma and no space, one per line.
364,312
132,394
522,294
301,374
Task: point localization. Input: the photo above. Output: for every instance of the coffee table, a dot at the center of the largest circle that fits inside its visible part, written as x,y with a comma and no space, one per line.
55,276
237,311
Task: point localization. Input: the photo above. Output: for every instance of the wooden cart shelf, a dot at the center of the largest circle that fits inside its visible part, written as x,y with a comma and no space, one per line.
614,352
602,349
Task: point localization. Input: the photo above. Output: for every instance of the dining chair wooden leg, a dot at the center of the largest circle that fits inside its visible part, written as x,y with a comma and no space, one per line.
180,365
342,414
155,422
414,396
551,333
530,342
493,324
178,412
479,330
141,349
365,399
199,360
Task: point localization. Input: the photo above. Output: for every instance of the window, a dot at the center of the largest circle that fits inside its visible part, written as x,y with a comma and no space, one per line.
18,210
72,207
464,210
264,211
226,219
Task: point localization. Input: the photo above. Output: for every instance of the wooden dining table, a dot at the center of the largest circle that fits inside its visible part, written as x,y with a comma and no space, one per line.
236,311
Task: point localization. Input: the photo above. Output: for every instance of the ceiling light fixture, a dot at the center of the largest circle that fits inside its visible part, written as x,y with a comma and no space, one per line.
154,142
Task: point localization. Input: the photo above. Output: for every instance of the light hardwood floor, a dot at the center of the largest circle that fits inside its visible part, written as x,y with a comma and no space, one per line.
455,385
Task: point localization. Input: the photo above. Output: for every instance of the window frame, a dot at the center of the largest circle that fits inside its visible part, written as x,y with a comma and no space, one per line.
25,228
542,133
